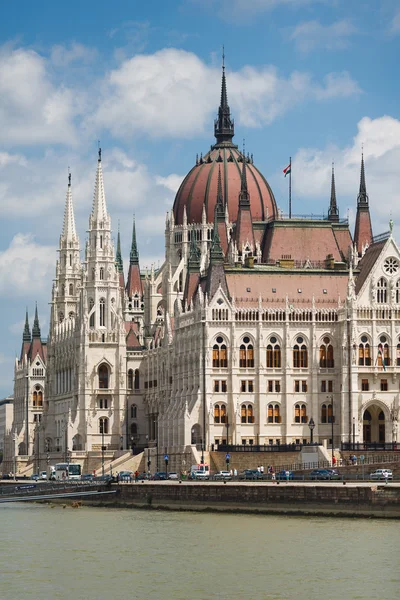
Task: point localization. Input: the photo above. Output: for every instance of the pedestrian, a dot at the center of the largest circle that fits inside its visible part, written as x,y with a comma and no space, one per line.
272,473
262,470
259,469
231,472
334,461
235,473
136,476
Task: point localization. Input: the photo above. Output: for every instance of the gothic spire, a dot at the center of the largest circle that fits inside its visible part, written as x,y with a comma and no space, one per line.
36,327
134,255
219,207
26,336
333,212
216,253
194,253
118,259
69,229
362,198
244,196
99,210
224,125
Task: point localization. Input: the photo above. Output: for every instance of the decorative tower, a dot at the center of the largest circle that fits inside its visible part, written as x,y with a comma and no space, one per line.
244,236
68,269
134,310
26,338
119,262
224,129
333,212
363,228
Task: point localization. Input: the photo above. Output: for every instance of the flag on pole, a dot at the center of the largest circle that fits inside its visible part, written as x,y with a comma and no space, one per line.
381,356
288,169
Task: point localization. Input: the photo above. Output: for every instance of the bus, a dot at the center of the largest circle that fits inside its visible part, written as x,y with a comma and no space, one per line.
62,471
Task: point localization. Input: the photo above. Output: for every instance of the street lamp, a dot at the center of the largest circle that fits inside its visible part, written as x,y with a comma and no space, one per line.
15,456
354,433
148,456
227,430
311,425
121,442
102,447
332,422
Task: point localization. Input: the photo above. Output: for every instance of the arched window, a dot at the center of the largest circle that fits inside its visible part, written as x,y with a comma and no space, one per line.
93,274
381,291
398,354
133,411
63,290
220,353
92,316
103,377
102,312
274,359
247,413
130,379
246,353
34,398
224,416
300,354
40,398
364,352
103,425
326,360
323,413
274,415
61,317
70,260
383,352
398,292
137,381
300,413
71,289
101,272
217,413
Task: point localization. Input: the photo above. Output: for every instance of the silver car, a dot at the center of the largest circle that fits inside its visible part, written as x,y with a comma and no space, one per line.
381,475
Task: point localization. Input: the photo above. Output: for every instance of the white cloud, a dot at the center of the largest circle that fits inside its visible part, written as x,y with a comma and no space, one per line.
172,182
32,109
26,266
172,93
395,24
245,10
312,34
63,56
380,139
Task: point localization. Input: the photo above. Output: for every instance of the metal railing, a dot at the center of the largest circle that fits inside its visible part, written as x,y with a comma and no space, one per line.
264,447
370,446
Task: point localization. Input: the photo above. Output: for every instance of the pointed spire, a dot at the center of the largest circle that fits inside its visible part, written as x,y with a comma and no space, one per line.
69,229
224,125
26,336
118,258
216,253
244,196
362,198
194,253
134,255
36,327
99,210
333,212
219,207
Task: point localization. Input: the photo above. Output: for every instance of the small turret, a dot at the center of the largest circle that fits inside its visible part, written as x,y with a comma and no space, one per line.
26,336
333,212
363,227
36,326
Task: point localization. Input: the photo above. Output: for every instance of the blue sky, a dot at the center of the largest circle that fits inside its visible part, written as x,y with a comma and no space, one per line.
311,79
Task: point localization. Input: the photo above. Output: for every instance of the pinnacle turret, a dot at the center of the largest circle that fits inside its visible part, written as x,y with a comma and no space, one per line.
194,254
362,198
224,125
134,254
333,212
99,210
118,259
69,229
36,326
244,196
219,207
26,336
216,253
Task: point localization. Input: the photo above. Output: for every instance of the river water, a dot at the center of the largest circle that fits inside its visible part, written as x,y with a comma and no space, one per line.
94,554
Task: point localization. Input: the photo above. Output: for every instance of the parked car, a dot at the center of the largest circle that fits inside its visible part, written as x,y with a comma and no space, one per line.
381,474
35,477
160,476
87,477
324,474
173,476
250,474
284,475
43,475
222,476
200,475
144,476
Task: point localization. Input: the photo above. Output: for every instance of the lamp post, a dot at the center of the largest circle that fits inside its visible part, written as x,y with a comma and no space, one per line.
102,448
148,457
121,442
203,437
332,422
15,456
311,426
354,433
227,430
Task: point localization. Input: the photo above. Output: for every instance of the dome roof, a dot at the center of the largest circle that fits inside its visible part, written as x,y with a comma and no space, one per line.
200,185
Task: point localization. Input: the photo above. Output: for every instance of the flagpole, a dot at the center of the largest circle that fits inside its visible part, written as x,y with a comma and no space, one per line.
290,188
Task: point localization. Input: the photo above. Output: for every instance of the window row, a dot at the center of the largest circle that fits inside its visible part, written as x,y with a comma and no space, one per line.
247,413
383,358
273,386
273,355
37,397
133,379
384,386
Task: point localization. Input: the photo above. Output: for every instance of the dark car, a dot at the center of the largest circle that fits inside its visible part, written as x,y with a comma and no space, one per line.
87,477
284,475
143,476
250,474
35,477
324,474
160,476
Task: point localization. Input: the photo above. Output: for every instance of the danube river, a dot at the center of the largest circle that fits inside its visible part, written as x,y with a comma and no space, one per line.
94,554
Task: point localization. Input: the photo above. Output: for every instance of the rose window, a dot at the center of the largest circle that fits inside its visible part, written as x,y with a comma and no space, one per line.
391,265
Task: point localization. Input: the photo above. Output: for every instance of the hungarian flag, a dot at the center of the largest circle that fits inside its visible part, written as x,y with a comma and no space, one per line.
288,169
381,356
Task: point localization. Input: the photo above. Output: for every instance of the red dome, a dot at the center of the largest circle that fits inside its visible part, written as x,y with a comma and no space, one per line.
201,184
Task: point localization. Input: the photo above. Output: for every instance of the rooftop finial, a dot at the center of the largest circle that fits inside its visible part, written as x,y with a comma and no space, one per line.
224,125
244,196
36,327
134,255
333,212
26,336
362,198
118,259
69,177
99,151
